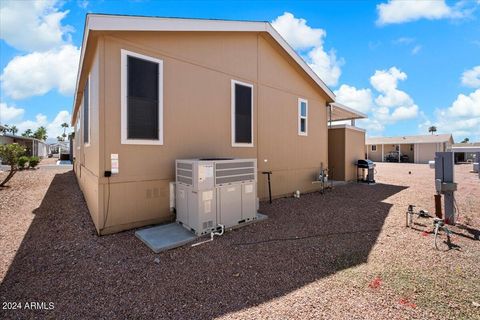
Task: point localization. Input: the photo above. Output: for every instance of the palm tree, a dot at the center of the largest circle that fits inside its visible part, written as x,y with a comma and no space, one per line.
5,128
27,133
13,130
432,129
64,126
465,140
40,133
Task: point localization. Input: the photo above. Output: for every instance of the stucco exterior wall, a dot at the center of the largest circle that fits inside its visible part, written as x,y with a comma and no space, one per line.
346,145
375,156
426,151
197,72
354,142
336,153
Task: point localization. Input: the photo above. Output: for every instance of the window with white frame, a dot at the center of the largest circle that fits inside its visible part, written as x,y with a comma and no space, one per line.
302,117
242,114
142,99
77,132
374,147
86,113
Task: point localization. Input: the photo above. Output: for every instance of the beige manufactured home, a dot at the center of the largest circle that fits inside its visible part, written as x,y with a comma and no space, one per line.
153,90
413,149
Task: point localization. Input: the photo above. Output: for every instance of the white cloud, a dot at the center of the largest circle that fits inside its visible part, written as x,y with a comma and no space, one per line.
8,113
326,65
54,128
305,38
471,78
400,11
403,40
416,49
466,106
462,118
82,3
39,72
404,113
386,82
390,105
33,25
358,99
297,33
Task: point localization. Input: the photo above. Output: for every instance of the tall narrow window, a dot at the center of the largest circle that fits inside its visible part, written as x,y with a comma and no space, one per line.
86,112
142,106
302,117
242,114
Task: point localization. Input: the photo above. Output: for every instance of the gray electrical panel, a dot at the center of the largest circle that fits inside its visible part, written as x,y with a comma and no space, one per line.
213,192
445,183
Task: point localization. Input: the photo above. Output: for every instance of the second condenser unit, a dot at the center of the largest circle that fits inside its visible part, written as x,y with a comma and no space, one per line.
213,192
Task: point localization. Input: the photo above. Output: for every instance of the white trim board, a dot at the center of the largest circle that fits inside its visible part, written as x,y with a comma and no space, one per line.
346,126
232,111
300,117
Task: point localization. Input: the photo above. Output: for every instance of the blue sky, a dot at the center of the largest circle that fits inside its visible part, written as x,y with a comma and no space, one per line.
407,64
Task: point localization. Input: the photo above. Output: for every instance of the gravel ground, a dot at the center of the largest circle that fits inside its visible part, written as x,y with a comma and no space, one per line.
345,254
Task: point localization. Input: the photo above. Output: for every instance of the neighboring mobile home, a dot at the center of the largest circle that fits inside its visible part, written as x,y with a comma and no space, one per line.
417,149
33,146
465,152
152,90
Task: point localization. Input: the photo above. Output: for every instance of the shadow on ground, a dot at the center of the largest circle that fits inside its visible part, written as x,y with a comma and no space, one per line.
62,260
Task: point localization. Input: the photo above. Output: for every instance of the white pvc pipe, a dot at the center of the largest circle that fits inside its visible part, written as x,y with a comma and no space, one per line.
212,234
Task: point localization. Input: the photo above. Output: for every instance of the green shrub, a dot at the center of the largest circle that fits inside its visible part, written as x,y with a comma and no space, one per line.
22,161
33,162
9,153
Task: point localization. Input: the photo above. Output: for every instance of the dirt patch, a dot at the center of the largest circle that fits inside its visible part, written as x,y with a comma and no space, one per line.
345,254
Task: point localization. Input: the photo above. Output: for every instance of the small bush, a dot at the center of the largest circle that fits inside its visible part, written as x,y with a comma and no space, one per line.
22,161
33,162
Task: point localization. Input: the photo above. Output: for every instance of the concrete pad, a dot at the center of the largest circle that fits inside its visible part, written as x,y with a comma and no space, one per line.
173,235
165,236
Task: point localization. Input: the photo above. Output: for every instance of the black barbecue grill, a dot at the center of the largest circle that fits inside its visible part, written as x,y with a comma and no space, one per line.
365,171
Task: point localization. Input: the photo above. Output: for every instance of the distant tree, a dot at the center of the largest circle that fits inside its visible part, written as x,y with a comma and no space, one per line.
65,126
465,140
40,133
10,153
27,133
60,139
432,129
13,130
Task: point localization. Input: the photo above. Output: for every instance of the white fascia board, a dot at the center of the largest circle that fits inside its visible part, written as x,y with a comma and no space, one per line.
136,23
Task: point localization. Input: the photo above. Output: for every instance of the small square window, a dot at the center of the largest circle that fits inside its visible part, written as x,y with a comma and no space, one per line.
374,147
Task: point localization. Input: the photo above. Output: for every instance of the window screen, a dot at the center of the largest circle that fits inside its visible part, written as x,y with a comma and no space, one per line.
142,99
243,114
86,111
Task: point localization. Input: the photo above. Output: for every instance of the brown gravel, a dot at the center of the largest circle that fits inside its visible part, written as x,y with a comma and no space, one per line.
353,257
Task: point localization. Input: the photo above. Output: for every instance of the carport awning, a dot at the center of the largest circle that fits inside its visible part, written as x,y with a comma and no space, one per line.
339,112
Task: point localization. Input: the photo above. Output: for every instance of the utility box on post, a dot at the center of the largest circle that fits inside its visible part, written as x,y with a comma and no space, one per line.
444,183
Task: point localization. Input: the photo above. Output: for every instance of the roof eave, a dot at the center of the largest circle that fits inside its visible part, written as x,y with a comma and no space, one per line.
99,22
